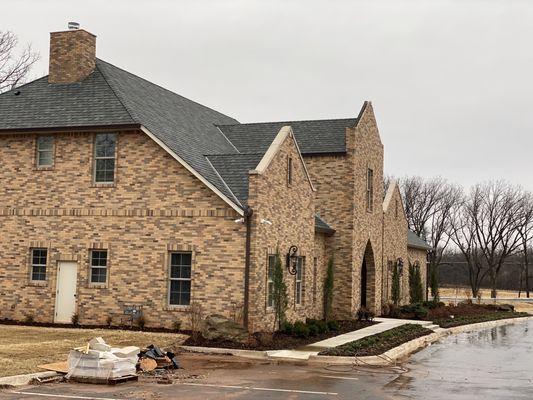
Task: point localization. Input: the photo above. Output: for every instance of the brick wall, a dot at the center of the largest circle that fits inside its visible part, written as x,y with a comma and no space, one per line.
155,206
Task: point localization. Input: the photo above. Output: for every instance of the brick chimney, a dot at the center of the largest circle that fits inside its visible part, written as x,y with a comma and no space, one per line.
72,55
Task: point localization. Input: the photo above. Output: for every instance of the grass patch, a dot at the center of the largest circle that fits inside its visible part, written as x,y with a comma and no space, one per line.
380,342
23,348
474,319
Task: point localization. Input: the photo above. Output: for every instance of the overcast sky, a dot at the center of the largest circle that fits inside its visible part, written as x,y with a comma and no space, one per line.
451,81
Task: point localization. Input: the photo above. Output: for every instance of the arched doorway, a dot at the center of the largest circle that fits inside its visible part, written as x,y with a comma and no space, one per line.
368,282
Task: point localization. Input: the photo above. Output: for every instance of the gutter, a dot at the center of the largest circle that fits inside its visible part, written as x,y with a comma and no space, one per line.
248,212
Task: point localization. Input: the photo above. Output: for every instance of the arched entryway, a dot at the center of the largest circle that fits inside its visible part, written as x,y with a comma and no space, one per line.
368,281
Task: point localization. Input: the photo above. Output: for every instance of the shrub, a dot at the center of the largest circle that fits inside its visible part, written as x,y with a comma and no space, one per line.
328,290
287,328
301,329
196,315
109,320
364,314
75,319
279,295
141,322
432,304
313,329
417,311
29,319
395,290
176,325
416,292
322,326
333,325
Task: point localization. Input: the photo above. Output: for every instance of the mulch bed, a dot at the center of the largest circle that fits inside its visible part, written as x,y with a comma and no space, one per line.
474,319
379,343
262,341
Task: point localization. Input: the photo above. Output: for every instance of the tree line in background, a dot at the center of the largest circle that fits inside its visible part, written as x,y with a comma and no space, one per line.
485,232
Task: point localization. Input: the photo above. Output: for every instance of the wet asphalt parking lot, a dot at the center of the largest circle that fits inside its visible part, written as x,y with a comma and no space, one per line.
491,364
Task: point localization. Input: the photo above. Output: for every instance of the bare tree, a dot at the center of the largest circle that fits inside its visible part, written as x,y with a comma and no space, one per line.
428,206
525,231
463,235
14,68
495,209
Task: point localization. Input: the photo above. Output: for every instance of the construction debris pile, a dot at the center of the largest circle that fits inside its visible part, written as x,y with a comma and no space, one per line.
98,360
153,358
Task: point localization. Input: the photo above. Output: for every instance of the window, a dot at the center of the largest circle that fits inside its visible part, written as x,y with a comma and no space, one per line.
289,171
370,190
45,151
180,279
38,264
315,271
98,266
104,157
270,280
396,208
299,284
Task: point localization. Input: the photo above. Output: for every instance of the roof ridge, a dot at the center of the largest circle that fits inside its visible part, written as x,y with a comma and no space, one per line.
165,89
116,94
281,122
254,153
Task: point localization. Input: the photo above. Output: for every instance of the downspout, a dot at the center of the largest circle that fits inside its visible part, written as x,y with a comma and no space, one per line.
248,212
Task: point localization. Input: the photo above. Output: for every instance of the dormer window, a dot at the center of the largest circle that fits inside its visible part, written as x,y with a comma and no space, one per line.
45,151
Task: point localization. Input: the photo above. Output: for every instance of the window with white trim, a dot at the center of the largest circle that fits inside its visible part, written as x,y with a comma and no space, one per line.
45,151
299,281
38,264
180,278
104,157
270,280
98,266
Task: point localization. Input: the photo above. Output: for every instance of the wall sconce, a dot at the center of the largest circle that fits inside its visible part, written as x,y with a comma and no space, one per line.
292,260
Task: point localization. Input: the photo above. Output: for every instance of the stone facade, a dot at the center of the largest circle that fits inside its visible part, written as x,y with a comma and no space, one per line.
72,56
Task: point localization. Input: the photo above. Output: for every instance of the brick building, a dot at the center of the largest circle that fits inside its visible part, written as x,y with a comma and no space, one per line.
118,193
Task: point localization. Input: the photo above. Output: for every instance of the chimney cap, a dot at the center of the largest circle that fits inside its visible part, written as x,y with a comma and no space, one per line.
73,25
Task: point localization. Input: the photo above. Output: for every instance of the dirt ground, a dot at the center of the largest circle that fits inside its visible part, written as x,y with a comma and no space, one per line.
23,348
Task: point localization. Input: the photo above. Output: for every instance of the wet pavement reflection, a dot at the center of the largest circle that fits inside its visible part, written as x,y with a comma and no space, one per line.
490,364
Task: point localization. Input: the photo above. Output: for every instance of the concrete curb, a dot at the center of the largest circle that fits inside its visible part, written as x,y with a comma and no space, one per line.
22,380
396,354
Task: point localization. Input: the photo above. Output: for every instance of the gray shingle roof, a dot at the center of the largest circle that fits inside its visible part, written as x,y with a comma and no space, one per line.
415,241
233,168
112,96
322,226
313,137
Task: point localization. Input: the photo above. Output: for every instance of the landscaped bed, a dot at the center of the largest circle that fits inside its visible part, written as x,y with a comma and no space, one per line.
379,343
287,339
447,316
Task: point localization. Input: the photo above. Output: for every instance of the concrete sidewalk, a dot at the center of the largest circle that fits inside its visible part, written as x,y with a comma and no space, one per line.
313,349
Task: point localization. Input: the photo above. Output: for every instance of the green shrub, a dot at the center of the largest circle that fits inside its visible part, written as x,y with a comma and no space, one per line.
287,328
431,304
301,329
333,325
417,311
322,326
328,290
29,319
313,329
364,314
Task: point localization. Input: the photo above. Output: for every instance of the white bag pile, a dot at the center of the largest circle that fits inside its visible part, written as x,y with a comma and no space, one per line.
99,360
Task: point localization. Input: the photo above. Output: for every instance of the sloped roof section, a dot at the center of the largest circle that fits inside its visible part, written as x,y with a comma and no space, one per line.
314,136
39,104
233,169
416,242
322,226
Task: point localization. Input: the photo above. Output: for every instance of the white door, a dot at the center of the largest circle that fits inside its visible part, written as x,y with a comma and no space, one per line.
67,275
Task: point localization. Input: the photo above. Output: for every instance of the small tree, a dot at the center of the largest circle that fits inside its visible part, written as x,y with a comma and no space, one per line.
416,292
395,290
328,291
279,294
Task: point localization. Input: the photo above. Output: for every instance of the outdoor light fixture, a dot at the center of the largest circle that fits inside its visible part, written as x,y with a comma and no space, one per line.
292,260
399,264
